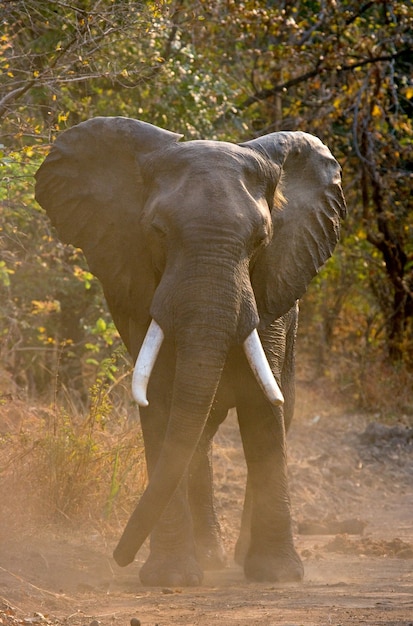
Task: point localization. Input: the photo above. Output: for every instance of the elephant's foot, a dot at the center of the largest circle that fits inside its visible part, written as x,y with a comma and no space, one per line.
171,571
211,553
286,566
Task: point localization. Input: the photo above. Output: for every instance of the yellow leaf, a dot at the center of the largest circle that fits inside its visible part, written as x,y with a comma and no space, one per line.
376,112
409,92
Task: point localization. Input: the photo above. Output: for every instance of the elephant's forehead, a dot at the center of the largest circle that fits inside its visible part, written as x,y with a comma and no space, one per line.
209,147
208,178
209,157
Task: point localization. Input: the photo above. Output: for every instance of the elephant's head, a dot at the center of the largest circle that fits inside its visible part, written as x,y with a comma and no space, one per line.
197,237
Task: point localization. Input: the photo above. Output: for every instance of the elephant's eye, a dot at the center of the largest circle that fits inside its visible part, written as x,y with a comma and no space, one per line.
260,238
158,228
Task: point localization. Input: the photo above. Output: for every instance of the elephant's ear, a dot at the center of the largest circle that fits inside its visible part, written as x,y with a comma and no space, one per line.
307,229
92,188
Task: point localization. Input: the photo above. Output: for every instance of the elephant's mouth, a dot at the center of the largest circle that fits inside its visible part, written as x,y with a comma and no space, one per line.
252,347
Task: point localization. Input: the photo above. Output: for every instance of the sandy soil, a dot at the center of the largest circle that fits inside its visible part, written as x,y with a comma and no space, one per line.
352,496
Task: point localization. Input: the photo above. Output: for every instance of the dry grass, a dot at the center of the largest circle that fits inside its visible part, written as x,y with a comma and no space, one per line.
360,381
59,465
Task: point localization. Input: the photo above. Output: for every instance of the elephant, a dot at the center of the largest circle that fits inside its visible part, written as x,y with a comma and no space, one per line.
203,249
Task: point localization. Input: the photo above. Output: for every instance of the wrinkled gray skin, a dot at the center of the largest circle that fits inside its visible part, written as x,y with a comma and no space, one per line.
193,235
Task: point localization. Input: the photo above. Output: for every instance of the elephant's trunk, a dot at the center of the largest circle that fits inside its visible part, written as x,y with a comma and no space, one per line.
196,382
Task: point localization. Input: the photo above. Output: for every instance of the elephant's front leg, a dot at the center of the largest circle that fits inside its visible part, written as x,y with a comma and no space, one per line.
172,560
271,554
188,537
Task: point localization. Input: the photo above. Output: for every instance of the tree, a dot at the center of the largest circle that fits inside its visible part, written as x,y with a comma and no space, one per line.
212,69
342,71
59,63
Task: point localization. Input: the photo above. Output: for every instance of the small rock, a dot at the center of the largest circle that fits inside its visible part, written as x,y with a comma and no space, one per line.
135,622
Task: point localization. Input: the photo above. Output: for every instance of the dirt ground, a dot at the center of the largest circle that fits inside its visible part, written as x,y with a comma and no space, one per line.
351,480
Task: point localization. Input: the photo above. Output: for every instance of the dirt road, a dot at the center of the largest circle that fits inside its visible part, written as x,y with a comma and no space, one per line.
351,486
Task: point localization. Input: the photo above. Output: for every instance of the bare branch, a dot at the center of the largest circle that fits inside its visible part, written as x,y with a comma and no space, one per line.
14,95
319,69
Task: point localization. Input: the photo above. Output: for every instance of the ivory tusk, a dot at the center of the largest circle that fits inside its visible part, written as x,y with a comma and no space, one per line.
146,360
262,371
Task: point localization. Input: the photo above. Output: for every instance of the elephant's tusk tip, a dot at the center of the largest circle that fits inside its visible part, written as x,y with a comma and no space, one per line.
278,401
139,386
275,397
142,403
140,397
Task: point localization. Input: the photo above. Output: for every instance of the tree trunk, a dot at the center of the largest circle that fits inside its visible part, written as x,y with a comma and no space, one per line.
389,242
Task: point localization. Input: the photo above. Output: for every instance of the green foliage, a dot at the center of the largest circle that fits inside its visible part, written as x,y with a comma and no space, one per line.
52,310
